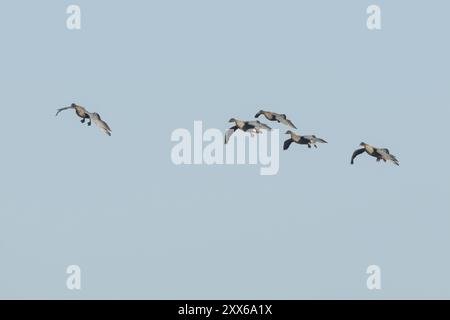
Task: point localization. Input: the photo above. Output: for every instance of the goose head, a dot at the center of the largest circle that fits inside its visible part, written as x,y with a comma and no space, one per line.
288,132
260,112
363,144
232,120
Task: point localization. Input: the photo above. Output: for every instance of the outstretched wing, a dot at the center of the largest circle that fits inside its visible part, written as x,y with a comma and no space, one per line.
229,133
320,140
357,153
103,123
103,126
263,126
314,139
383,150
284,120
287,143
62,109
100,123
386,156
255,125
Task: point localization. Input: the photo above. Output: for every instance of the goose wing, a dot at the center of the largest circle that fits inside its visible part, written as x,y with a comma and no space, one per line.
264,126
287,143
258,125
320,140
386,156
357,153
314,139
103,124
284,120
229,133
62,109
100,123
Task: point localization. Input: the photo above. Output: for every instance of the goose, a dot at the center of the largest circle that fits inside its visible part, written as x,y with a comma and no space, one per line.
79,110
100,123
273,116
308,140
379,153
246,126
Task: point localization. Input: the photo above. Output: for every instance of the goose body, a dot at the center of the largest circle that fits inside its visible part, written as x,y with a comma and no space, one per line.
273,116
246,126
378,153
79,111
310,140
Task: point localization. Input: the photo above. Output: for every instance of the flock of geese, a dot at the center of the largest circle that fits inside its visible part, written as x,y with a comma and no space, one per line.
252,127
381,154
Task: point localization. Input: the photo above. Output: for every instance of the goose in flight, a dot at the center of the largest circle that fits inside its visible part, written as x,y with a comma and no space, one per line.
308,140
273,116
246,126
379,153
79,110
100,123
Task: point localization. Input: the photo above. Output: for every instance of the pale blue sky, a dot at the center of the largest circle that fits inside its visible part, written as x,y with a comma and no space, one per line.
140,227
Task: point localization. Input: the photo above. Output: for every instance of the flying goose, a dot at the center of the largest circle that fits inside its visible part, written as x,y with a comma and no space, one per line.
379,153
79,110
100,123
308,140
246,126
273,116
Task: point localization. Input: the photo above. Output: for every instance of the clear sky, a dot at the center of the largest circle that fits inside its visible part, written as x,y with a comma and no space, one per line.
141,227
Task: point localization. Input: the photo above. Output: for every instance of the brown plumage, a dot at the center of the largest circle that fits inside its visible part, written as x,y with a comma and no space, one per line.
246,126
307,140
79,111
273,116
378,153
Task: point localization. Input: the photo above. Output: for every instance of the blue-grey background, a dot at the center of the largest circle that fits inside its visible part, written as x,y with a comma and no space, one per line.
141,227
